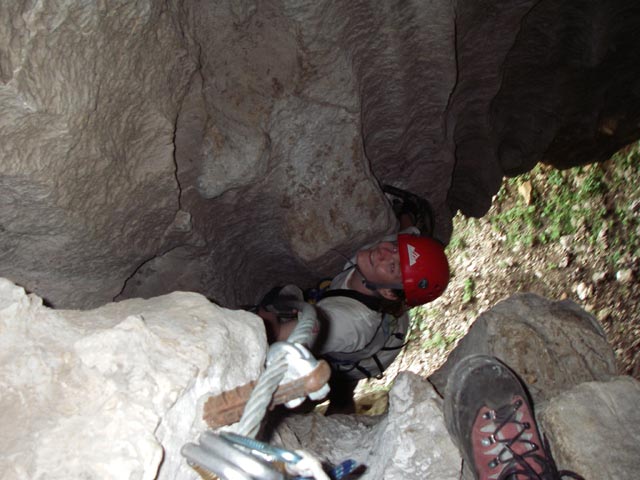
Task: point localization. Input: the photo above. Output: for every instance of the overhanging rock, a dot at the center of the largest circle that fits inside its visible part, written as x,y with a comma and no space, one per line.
226,147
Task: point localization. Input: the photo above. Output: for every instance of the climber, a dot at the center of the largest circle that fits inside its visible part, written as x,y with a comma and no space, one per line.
363,315
490,419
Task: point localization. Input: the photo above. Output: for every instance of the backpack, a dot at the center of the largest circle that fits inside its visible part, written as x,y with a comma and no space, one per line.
384,346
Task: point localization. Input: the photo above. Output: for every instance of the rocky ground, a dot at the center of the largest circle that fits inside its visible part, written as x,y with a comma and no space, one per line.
572,234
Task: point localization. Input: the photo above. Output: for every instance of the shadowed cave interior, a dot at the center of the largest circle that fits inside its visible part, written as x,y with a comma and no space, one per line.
227,147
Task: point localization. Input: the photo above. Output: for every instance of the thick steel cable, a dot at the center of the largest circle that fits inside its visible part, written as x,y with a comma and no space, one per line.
256,407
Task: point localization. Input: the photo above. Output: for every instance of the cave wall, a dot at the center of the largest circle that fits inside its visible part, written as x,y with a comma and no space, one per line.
88,102
224,147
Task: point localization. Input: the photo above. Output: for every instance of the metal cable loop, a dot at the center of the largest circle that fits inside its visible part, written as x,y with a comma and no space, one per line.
269,380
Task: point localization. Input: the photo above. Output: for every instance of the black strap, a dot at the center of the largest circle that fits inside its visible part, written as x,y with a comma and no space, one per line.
399,336
379,365
373,303
360,368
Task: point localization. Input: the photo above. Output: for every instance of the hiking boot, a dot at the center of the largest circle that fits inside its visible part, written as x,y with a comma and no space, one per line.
489,416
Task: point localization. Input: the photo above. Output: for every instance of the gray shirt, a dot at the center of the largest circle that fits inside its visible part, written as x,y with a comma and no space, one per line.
350,326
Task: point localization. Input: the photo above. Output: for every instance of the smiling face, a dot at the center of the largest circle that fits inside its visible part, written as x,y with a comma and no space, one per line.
380,264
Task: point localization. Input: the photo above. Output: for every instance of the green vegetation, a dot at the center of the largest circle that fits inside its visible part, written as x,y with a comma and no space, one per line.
593,210
420,320
581,200
438,341
468,292
427,333
547,231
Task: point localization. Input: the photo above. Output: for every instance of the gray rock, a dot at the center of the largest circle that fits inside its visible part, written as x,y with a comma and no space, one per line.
225,147
594,429
553,346
624,276
409,442
115,392
88,184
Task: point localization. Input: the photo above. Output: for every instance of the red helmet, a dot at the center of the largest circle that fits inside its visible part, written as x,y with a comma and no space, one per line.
424,266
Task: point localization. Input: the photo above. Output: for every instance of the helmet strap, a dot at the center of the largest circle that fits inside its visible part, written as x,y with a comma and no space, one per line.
375,287
378,286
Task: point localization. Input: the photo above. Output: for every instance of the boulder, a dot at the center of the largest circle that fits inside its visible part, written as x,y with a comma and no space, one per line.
114,393
551,345
409,442
594,428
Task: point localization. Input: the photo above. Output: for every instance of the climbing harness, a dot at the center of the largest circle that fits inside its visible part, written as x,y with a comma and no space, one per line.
290,368
314,294
366,363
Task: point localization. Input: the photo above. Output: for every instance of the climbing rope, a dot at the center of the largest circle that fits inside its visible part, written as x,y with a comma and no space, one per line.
273,374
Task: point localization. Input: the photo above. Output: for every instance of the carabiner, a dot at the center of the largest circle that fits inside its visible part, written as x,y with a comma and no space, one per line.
271,453
222,457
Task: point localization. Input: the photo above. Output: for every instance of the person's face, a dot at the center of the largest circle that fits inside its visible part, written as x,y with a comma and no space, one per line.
381,263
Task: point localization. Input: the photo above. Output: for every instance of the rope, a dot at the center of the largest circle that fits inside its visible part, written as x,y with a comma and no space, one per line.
260,398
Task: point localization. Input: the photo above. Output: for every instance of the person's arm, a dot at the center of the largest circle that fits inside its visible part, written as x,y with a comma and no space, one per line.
285,330
276,330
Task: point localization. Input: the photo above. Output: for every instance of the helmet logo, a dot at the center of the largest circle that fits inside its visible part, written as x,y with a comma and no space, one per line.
413,255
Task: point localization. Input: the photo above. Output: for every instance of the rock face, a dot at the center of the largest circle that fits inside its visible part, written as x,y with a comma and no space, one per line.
225,147
114,392
409,442
88,102
551,345
117,391
591,425
594,428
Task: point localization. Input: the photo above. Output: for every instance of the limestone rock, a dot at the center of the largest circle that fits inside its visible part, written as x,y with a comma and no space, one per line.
114,392
89,99
225,147
410,442
551,345
594,428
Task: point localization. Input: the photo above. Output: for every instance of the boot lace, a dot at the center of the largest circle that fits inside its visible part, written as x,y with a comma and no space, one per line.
519,466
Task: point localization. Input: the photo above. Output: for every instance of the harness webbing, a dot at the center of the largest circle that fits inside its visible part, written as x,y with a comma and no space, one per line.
374,303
